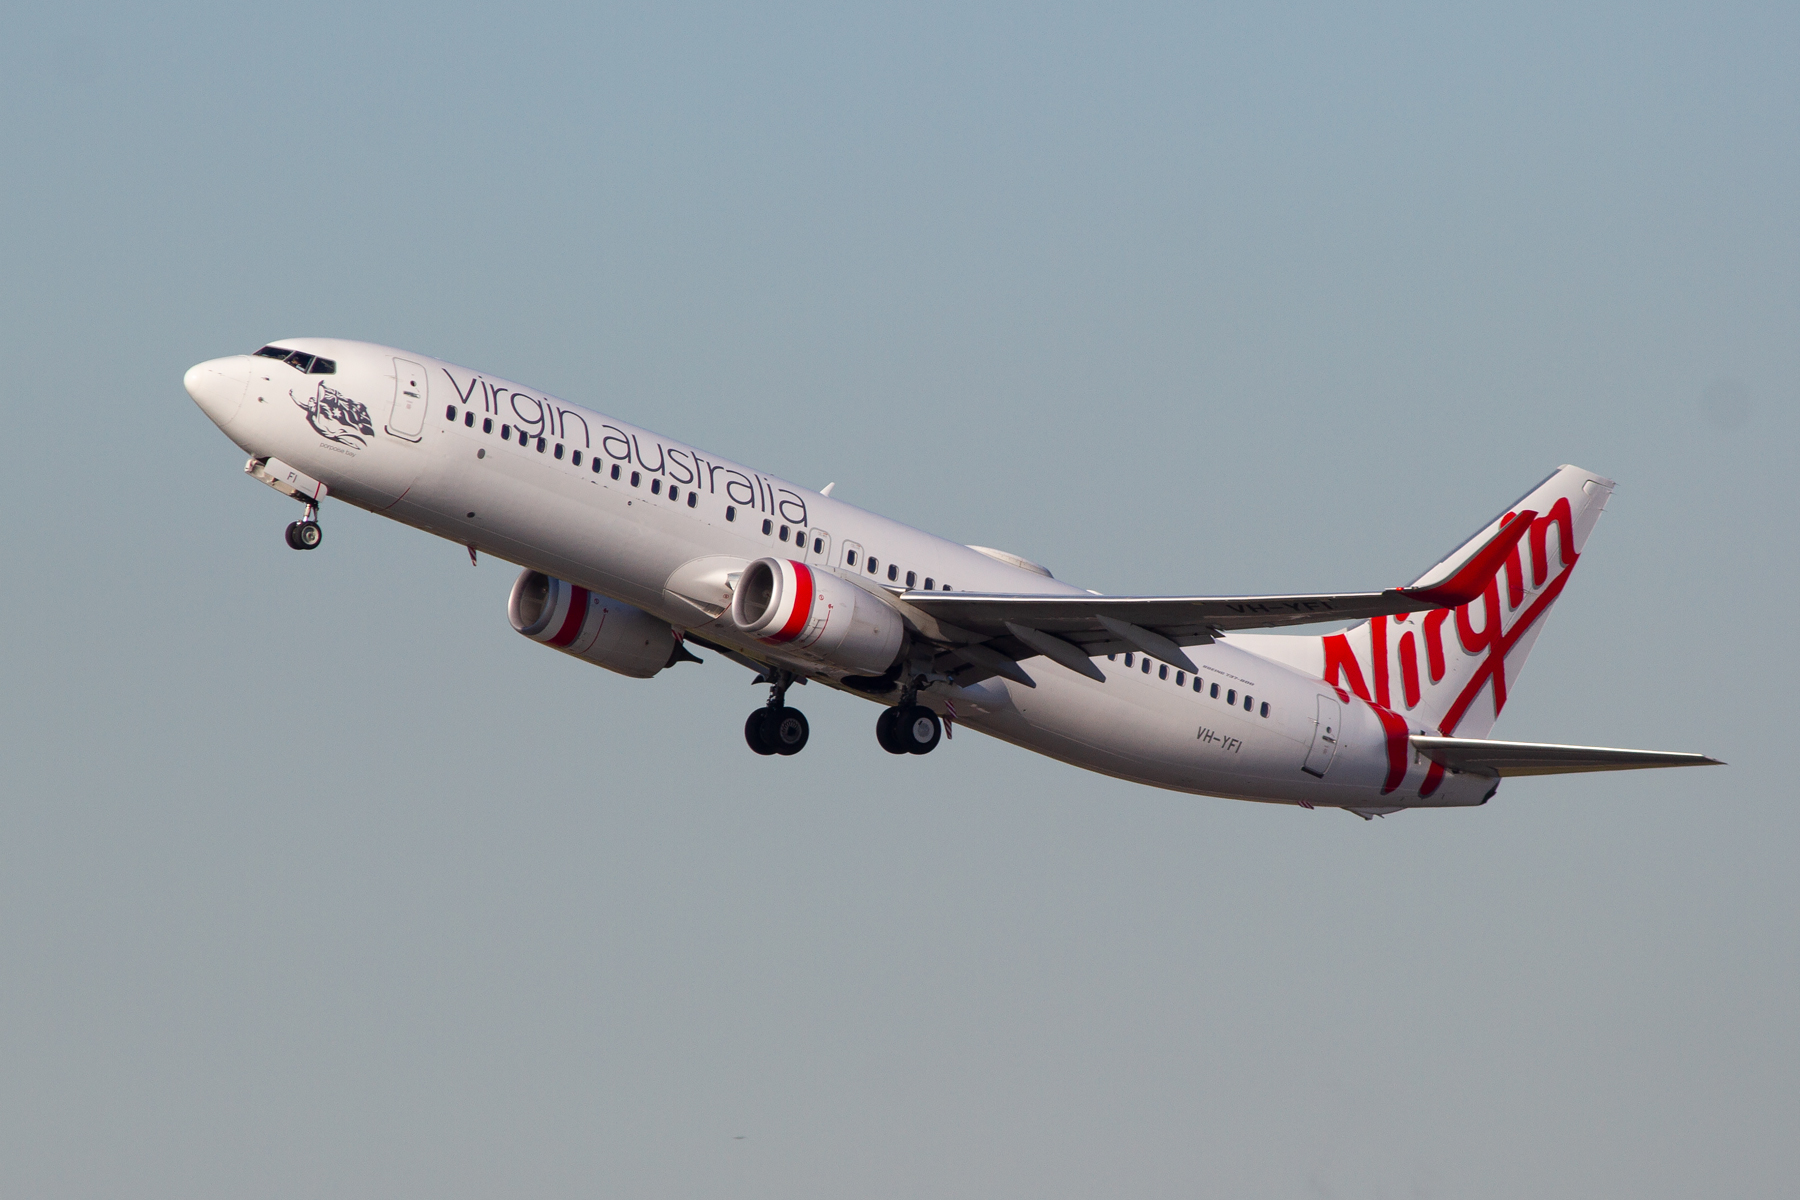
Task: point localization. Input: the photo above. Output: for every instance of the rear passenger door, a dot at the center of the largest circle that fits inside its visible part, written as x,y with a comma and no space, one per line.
1325,738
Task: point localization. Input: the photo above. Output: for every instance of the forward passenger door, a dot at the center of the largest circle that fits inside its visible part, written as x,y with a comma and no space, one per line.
411,396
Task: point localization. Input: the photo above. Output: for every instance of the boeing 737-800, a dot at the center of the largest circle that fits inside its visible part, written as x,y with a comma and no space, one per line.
636,548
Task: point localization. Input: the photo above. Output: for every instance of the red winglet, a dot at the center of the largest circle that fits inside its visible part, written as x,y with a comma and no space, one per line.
1468,582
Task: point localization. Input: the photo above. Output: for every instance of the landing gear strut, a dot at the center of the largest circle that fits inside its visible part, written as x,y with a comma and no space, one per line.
775,728
305,533
908,727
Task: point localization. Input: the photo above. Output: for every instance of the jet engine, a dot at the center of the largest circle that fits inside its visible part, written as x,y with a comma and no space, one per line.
816,615
592,627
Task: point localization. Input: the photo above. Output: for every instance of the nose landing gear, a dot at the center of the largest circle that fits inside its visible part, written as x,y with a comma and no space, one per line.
305,533
776,728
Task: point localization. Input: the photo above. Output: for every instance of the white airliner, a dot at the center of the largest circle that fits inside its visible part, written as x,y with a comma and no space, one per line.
636,548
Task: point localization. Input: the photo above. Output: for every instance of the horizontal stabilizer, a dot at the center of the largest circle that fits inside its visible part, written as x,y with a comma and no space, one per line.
1484,757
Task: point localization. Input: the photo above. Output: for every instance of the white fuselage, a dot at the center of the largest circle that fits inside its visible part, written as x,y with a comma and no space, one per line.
421,441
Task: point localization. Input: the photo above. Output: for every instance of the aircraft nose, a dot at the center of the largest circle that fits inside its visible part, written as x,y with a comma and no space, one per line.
217,386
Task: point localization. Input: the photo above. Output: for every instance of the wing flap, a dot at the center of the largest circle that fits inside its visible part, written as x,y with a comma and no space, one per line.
1506,759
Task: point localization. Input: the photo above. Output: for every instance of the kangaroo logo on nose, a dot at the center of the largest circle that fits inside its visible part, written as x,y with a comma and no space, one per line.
337,417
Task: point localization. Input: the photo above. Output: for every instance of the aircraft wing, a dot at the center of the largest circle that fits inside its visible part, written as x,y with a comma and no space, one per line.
1187,620
1484,757
992,631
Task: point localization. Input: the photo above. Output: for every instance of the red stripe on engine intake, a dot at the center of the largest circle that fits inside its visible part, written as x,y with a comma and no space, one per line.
803,602
572,622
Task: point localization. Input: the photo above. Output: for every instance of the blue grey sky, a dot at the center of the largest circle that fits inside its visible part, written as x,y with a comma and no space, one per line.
316,879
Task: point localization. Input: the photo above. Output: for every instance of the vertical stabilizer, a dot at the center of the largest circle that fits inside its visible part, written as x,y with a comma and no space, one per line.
1450,670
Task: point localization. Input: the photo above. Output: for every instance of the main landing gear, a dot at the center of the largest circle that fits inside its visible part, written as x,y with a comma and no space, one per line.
775,728
305,533
908,727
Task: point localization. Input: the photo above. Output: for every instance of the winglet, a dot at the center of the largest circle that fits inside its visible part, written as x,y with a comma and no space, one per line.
1468,580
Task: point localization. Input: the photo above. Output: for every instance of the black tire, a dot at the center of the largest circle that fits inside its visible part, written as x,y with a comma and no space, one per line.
887,731
788,730
756,732
921,730
293,539
308,535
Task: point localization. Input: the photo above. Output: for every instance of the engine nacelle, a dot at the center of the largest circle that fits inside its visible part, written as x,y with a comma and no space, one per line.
816,615
592,627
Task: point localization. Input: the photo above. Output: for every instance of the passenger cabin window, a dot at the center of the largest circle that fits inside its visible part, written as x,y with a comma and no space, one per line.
730,509
1231,696
784,533
1146,666
1246,701
487,424
911,578
928,583
768,526
656,487
1215,691
575,458
873,563
469,418
893,572
1181,679
1162,672
1128,657
615,471
1196,683
692,499
558,451
1265,708
636,479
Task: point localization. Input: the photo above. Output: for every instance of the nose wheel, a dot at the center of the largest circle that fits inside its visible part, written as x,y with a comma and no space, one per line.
305,533
775,728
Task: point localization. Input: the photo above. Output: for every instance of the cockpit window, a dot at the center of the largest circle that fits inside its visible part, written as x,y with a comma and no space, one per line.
306,364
